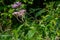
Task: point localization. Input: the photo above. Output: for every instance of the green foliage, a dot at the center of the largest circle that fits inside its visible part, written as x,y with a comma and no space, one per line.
39,23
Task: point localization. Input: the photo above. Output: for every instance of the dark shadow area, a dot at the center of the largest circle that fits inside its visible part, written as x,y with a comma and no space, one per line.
15,22
8,2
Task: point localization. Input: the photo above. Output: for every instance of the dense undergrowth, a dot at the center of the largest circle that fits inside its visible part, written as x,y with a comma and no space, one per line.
29,20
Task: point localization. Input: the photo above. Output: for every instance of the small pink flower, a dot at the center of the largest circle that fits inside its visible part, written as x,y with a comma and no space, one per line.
22,12
17,4
15,13
14,6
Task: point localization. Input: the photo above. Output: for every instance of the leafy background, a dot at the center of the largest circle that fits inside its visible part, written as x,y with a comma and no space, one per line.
41,20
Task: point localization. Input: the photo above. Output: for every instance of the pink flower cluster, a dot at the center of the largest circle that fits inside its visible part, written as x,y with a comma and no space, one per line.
17,4
20,13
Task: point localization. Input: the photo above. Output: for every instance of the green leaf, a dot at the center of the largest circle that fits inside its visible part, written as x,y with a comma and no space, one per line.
11,11
40,12
30,34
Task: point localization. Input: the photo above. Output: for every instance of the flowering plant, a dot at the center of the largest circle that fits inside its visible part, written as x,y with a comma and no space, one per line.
29,20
